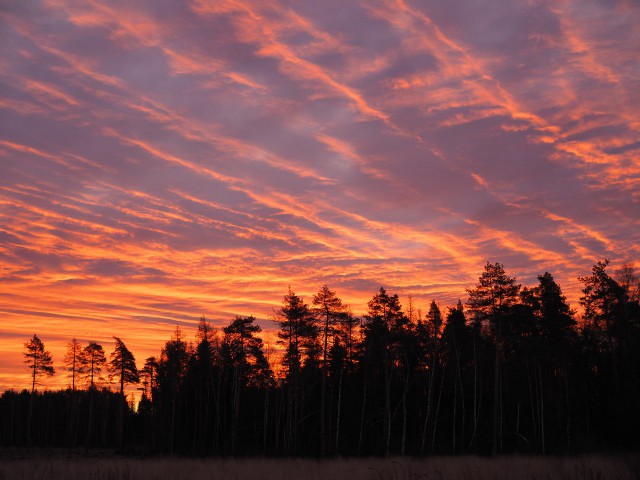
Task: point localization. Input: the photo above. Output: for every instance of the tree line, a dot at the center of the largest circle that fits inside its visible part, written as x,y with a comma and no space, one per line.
511,370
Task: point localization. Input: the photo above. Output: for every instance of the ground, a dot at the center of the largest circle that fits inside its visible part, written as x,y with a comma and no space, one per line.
98,465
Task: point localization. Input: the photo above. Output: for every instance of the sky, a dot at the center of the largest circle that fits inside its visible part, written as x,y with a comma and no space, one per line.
162,160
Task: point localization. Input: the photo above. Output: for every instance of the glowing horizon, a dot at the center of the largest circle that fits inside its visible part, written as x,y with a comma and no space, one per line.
160,161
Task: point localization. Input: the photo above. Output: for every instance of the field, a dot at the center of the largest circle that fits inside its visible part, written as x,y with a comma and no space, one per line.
58,467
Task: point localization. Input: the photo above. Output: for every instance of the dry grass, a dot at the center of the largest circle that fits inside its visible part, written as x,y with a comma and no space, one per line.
56,467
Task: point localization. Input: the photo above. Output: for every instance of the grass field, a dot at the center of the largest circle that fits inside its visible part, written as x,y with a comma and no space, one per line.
57,467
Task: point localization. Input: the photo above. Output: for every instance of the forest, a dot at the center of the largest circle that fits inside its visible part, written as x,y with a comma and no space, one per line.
513,369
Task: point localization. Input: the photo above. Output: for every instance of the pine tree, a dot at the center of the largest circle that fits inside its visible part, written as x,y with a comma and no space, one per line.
241,343
382,324
39,360
72,361
457,349
604,302
607,321
629,281
171,372
329,310
202,372
296,325
122,364
489,302
555,325
40,363
428,334
92,360
553,314
146,407
148,375
297,332
492,296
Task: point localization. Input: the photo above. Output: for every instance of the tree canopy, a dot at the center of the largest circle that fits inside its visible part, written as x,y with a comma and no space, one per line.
513,369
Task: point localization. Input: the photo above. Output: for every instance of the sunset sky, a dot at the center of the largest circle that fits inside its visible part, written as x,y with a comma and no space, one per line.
164,159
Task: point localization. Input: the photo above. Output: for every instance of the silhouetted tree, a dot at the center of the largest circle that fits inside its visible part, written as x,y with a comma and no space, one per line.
171,371
148,376
244,350
122,364
429,344
203,371
489,303
296,327
146,408
92,361
612,324
387,383
541,347
604,302
329,310
38,360
458,349
40,363
628,279
383,324
342,363
72,361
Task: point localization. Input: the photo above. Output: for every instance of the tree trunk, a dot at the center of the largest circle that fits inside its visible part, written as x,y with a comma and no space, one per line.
541,415
337,449
475,396
404,413
364,404
265,421
33,389
387,407
196,418
30,418
435,417
89,422
427,416
566,393
173,421
237,386
534,421
455,405
323,393
278,414
216,427
121,400
496,393
464,413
